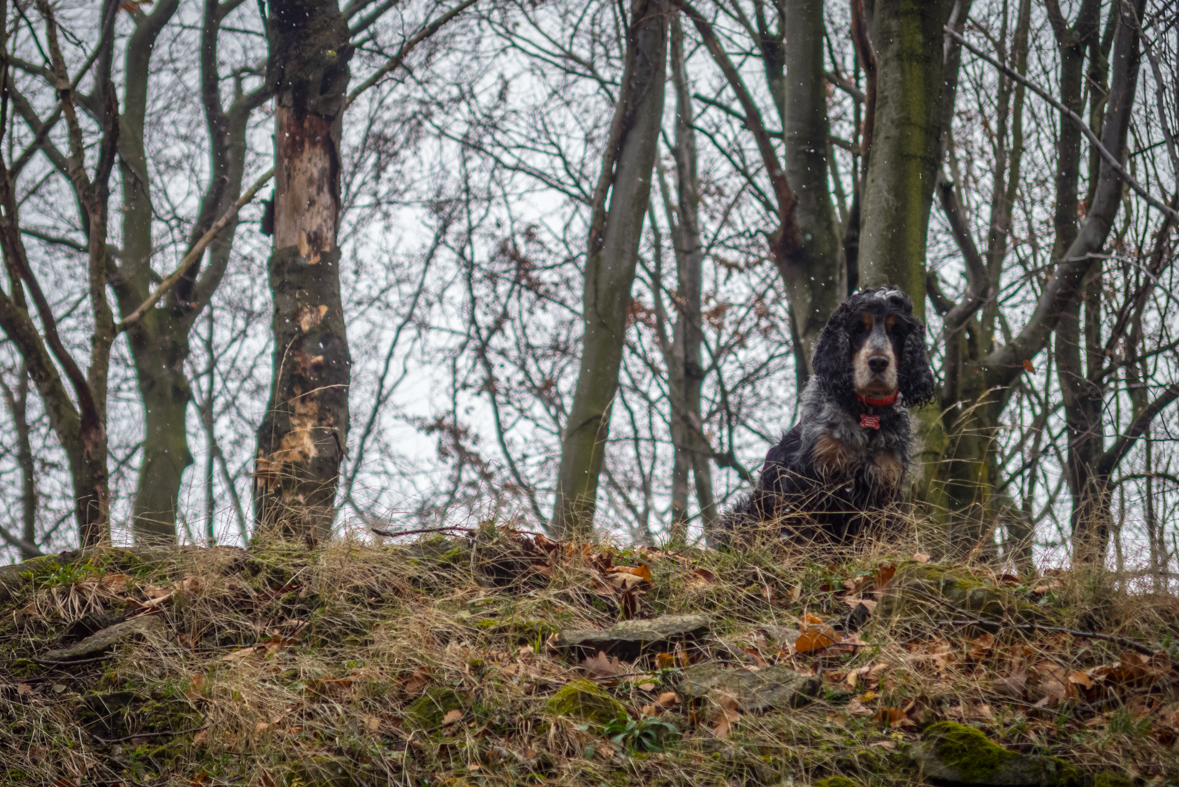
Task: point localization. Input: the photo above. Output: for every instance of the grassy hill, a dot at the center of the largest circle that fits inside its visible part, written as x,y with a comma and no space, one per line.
498,657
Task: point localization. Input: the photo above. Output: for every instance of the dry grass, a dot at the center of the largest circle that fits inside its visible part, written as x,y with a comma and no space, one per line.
287,666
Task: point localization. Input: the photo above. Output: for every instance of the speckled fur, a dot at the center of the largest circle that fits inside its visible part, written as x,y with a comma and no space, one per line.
830,478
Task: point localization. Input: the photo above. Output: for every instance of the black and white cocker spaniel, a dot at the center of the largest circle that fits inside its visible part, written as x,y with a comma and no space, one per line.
840,469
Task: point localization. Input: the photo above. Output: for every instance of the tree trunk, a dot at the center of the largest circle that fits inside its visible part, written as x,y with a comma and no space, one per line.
814,272
302,437
614,238
17,403
906,144
686,368
80,428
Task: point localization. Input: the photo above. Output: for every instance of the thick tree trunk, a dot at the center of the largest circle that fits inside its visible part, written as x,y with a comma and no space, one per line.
302,437
906,144
610,265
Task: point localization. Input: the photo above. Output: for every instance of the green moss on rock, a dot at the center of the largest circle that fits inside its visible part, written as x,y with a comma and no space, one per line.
584,700
918,586
976,758
428,710
962,755
1109,779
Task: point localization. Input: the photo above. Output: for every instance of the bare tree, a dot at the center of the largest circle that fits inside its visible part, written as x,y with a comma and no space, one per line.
619,205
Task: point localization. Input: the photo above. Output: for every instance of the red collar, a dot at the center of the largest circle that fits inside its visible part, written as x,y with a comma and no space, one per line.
890,399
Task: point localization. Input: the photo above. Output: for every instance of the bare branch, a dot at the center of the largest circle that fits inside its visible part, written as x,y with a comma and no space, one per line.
194,254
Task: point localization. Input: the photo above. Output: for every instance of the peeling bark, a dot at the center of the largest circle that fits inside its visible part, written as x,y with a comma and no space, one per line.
302,437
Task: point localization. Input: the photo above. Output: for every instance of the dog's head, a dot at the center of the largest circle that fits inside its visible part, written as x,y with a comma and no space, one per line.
873,347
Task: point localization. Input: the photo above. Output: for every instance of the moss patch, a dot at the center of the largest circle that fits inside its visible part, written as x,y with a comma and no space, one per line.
1108,779
584,700
428,710
971,758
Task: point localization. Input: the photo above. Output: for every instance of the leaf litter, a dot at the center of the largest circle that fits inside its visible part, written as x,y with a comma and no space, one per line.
269,650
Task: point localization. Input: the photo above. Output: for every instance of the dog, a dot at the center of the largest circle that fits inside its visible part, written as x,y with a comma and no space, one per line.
843,466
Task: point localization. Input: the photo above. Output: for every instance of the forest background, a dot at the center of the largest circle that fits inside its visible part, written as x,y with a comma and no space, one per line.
459,183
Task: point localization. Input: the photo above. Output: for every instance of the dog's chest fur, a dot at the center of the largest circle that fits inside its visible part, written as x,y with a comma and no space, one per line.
840,450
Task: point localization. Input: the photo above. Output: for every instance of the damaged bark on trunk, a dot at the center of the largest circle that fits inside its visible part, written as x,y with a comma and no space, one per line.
302,437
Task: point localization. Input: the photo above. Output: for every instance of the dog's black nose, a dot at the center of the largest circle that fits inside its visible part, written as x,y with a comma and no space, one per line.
878,363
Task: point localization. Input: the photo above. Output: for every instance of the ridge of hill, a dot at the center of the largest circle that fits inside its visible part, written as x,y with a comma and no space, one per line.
500,657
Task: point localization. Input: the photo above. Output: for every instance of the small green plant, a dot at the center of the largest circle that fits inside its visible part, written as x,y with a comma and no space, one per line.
69,574
645,734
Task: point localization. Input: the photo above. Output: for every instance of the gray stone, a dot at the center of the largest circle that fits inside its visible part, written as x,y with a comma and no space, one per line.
630,638
769,688
144,627
781,635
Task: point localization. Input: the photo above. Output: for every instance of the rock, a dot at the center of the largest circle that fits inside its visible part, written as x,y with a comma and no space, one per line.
583,699
631,637
781,635
428,711
954,755
144,627
768,688
939,591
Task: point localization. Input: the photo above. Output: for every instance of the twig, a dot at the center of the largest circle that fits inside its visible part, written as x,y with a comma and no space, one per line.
1130,643
1109,157
395,533
152,734
194,254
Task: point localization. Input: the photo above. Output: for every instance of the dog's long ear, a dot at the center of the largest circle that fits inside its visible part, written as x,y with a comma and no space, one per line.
832,358
915,377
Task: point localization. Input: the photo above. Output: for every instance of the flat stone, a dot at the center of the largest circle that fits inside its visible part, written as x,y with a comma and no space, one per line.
144,627
953,755
781,635
631,637
769,688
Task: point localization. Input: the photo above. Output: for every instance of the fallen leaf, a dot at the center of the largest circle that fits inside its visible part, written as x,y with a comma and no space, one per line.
664,661
416,682
816,638
1046,585
853,602
726,716
808,618
1013,685
1027,367
921,557
372,723
886,745
195,684
603,666
883,575
201,737
451,717
891,716
239,654
1081,679
667,699
647,686
24,689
